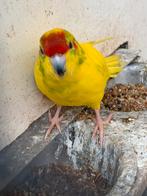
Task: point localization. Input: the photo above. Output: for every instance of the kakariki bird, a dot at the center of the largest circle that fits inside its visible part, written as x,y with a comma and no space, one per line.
73,74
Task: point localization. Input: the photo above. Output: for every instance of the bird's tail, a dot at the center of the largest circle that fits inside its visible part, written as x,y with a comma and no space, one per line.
114,64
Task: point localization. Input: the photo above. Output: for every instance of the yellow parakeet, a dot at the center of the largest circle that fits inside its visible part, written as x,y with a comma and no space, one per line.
73,74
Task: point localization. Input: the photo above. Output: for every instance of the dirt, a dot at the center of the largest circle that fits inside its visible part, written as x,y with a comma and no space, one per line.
126,98
60,180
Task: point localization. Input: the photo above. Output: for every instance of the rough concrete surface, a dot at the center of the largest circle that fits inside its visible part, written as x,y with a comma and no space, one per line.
122,159
125,147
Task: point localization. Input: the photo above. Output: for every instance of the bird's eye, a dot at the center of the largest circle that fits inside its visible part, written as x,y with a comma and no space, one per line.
70,45
41,51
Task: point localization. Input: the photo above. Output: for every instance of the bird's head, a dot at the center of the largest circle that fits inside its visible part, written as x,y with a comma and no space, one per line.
55,44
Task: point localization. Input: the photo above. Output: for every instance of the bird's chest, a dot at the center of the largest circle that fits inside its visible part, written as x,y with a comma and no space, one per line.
78,91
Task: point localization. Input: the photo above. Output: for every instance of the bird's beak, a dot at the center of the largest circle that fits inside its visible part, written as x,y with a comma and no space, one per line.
58,61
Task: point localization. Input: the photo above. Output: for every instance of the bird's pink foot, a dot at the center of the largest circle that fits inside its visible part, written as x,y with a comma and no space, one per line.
99,128
55,121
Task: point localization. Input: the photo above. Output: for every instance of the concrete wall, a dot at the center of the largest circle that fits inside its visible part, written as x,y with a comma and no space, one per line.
22,23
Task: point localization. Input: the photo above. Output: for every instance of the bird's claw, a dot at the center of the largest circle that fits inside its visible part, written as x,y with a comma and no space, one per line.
55,122
99,128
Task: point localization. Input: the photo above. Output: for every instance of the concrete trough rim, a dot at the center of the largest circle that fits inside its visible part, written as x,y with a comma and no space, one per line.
40,132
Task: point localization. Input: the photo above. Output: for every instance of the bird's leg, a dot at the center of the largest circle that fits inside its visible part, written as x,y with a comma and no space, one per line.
54,121
99,128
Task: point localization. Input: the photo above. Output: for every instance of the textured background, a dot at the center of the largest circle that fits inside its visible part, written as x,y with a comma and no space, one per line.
22,23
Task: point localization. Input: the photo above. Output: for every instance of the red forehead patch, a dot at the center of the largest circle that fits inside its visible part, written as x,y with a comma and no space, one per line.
54,43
